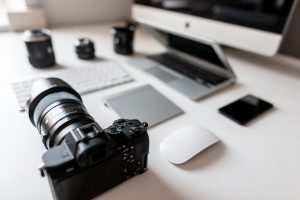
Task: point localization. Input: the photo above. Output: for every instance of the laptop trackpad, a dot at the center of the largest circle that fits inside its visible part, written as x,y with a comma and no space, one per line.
142,63
190,88
161,74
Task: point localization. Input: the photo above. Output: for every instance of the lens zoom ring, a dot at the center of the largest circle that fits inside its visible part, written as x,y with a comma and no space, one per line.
48,100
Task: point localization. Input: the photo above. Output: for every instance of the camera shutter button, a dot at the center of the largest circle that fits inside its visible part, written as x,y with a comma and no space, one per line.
134,129
120,121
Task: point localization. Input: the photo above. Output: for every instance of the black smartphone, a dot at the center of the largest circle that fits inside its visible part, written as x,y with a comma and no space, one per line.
245,109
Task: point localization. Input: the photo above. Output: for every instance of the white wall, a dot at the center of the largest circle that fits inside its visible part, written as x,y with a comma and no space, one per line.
66,12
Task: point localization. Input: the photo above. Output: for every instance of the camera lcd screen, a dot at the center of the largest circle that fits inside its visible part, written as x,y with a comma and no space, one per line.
245,109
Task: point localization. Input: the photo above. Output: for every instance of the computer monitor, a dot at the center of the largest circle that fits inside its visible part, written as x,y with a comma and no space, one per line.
253,25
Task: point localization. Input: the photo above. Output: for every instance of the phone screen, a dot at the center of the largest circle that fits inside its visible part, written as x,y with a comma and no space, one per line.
245,109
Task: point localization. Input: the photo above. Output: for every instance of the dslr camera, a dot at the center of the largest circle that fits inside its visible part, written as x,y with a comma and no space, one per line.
83,160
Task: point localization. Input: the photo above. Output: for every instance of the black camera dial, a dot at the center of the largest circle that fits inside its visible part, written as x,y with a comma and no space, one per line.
127,128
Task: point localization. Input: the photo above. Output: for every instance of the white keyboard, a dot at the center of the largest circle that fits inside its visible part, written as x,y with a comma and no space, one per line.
83,80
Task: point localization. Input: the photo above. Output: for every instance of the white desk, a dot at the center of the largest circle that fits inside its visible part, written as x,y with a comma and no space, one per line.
260,161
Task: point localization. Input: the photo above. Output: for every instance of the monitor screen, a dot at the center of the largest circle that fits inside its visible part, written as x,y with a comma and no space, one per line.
266,15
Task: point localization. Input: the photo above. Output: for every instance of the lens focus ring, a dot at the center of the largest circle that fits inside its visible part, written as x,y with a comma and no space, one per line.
60,119
50,99
56,109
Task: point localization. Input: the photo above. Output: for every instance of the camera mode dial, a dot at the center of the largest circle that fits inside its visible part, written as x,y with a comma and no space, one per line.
127,128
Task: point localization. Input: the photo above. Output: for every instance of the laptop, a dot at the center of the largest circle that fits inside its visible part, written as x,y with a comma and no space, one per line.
193,66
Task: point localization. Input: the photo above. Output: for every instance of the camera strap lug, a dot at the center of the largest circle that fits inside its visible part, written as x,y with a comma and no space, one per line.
42,168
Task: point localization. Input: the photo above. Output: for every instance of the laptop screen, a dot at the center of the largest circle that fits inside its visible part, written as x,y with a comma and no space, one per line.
197,49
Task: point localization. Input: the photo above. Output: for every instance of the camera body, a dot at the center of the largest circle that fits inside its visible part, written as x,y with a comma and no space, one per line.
93,160
83,160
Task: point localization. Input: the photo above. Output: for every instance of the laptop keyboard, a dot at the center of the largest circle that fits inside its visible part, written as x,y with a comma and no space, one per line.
188,69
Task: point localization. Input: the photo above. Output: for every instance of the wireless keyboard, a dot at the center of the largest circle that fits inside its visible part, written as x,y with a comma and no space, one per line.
83,80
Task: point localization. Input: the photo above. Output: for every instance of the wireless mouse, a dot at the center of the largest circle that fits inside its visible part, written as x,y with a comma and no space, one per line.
185,143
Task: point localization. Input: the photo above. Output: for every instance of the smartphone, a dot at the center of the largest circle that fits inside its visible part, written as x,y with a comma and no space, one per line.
245,109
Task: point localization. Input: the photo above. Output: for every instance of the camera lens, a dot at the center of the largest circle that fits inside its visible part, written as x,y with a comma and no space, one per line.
39,46
123,39
84,48
55,109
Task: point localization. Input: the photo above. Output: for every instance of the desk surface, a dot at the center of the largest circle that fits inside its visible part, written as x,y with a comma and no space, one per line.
259,161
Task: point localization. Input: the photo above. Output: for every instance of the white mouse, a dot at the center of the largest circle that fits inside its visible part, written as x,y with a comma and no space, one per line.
185,143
